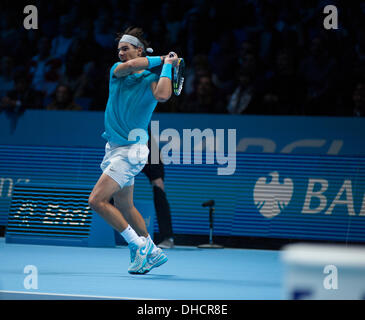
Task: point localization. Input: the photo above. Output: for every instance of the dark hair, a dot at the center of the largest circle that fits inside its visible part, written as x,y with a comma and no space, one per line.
204,74
136,32
69,91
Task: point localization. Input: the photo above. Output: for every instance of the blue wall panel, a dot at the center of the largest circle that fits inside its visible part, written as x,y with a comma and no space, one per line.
318,194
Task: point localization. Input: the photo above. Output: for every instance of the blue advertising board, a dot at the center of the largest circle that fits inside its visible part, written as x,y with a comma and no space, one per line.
254,134
291,177
301,197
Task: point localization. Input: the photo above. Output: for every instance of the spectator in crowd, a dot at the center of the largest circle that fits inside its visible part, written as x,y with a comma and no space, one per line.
245,97
157,29
328,62
62,42
80,71
283,90
23,97
358,58
195,34
63,100
246,47
200,65
102,34
49,14
136,10
268,35
100,96
318,71
80,78
205,98
224,68
84,46
250,60
171,16
25,47
359,100
8,35
44,69
6,75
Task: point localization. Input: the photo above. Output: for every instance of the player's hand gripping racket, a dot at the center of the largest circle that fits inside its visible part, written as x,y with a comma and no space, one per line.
178,74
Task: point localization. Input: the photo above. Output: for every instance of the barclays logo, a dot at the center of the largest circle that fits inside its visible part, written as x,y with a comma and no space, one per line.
270,196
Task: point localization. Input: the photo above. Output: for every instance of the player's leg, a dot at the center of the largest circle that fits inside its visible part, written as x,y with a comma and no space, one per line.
123,200
99,201
118,175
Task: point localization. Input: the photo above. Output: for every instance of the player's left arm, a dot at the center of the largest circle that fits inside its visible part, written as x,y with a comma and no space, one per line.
162,90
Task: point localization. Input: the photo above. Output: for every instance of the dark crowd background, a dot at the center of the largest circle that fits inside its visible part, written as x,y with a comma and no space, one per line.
243,56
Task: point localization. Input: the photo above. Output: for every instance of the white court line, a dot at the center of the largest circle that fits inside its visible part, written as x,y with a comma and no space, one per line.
73,295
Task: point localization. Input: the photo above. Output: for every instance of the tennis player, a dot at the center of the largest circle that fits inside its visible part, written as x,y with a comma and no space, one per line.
134,92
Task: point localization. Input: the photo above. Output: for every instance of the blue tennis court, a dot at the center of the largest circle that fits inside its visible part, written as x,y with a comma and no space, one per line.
101,273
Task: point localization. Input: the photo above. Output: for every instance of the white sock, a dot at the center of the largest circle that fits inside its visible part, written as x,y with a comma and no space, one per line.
155,248
130,235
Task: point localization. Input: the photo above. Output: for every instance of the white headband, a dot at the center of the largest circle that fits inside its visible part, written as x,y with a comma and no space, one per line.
134,41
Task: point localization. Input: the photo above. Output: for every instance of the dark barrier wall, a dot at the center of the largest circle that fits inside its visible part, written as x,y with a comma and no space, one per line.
292,177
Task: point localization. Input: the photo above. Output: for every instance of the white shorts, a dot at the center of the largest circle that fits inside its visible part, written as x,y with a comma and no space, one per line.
123,163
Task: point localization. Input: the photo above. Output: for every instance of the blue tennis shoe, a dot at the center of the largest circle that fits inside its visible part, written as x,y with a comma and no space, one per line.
154,260
139,255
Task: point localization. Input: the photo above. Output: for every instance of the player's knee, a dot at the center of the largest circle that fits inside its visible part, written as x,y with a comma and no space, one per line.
92,201
95,202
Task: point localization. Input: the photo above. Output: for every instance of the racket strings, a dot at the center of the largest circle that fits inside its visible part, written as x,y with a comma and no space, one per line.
179,77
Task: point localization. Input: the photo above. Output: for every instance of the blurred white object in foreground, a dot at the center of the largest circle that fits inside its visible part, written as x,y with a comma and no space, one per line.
323,272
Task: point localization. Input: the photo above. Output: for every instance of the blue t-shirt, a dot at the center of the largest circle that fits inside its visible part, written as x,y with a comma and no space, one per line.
130,106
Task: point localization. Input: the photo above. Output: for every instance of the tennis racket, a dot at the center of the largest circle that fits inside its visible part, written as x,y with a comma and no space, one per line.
178,74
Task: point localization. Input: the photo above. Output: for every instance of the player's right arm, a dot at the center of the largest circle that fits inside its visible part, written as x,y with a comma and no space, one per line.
137,64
